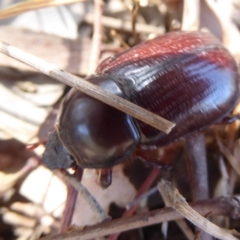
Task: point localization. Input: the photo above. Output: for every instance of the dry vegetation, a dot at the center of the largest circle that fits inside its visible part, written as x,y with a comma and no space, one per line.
204,168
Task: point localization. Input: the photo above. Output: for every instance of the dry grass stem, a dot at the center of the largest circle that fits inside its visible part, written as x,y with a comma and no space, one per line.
220,206
191,13
25,6
95,206
145,186
124,25
174,199
229,156
97,36
88,88
135,10
141,197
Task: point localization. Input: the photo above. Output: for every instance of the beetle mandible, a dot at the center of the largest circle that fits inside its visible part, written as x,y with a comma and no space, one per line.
188,78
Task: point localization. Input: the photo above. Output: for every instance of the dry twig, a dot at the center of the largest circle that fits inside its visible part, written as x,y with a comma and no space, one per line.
124,25
229,156
88,88
174,199
97,36
25,6
89,198
145,186
230,32
219,206
191,13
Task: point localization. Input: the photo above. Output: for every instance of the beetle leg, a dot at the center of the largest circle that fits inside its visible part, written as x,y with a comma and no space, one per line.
105,177
154,156
32,146
229,119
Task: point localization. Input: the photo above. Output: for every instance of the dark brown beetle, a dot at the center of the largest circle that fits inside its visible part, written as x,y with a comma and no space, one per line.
188,78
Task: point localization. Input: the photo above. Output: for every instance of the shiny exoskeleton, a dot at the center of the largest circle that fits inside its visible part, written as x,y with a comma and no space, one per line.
188,78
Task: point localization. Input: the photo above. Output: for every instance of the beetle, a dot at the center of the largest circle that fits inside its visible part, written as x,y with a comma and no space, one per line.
188,78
